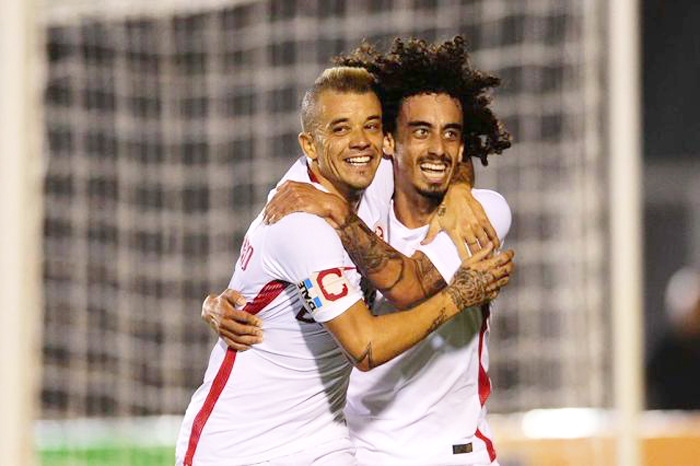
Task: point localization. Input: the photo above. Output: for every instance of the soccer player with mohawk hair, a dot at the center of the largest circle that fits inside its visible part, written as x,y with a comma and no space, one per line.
281,402
427,406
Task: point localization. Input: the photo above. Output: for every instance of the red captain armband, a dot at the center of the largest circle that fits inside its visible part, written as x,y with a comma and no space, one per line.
322,289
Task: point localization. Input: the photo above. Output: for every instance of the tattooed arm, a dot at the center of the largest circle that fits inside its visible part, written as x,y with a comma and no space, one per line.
403,280
372,340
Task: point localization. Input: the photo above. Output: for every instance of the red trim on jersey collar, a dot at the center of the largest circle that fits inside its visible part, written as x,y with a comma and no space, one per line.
312,177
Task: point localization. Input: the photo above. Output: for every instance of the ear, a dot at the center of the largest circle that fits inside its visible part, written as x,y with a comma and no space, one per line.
460,155
389,145
306,142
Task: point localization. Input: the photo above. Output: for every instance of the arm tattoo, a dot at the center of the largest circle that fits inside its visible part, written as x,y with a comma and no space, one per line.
438,321
469,288
383,265
366,354
429,277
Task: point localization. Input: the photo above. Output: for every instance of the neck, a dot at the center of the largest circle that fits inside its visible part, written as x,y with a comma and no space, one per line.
414,209
351,196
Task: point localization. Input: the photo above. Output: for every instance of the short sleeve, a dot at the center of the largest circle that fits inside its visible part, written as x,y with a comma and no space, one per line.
443,253
304,250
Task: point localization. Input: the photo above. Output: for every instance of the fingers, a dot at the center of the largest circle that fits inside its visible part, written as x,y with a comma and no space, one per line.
241,334
240,316
238,329
460,245
281,204
481,236
499,274
234,297
293,196
497,284
208,307
229,308
491,234
479,258
235,345
473,241
433,230
484,230
275,209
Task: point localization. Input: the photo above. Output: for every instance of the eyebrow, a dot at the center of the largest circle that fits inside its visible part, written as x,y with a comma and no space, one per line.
338,120
345,120
417,123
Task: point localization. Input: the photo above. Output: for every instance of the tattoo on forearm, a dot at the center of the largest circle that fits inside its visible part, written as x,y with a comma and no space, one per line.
375,259
441,210
429,277
438,321
469,288
366,354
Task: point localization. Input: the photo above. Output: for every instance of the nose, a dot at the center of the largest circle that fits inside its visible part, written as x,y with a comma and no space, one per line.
359,140
436,145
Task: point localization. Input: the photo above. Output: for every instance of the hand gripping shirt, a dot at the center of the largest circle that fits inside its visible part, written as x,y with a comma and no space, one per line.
426,406
286,394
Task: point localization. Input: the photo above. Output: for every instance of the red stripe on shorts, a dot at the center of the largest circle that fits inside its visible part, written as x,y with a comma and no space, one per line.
484,381
489,445
266,295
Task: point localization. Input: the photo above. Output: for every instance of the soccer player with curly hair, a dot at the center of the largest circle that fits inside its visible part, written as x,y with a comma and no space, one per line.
427,405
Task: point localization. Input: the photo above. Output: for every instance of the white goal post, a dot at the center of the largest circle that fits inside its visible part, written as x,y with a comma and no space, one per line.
20,240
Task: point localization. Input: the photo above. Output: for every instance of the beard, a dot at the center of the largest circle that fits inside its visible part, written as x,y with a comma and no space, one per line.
433,192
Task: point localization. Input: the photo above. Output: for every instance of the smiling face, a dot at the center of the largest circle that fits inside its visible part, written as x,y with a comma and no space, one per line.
346,144
428,143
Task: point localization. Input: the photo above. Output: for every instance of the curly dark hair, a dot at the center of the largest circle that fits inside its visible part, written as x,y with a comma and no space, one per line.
413,67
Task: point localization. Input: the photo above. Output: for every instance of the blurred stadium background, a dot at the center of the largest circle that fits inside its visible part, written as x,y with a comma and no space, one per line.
139,139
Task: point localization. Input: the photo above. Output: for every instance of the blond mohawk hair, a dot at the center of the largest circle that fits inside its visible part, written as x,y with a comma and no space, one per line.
345,79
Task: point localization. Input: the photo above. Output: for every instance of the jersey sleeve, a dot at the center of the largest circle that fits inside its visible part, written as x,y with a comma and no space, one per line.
304,250
443,253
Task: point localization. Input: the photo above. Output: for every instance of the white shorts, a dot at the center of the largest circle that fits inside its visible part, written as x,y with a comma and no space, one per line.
338,452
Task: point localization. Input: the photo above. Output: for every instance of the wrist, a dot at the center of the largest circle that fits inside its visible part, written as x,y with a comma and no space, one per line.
448,303
464,174
341,216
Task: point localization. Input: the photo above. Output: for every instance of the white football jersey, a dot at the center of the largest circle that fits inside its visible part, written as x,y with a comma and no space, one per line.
286,394
426,406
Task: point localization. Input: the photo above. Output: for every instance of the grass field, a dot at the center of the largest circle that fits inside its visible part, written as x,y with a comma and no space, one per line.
108,456
147,441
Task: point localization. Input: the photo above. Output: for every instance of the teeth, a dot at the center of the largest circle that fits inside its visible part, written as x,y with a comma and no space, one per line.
433,166
359,160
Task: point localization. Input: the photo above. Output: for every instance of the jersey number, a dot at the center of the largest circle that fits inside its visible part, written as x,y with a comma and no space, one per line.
246,253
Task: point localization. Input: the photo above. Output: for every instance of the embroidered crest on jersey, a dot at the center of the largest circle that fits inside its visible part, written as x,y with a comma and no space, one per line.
379,231
322,288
